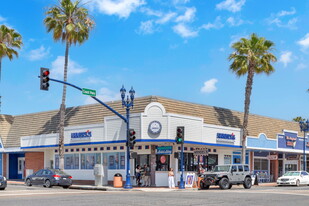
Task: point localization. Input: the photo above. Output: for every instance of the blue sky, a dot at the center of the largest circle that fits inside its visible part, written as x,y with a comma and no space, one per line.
176,49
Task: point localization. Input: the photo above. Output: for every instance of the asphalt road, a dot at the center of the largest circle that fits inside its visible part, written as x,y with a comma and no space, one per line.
37,196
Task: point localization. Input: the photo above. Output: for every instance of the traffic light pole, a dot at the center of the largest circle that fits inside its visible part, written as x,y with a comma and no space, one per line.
128,184
181,184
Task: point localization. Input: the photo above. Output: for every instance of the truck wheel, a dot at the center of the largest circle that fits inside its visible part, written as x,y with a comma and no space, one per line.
224,183
247,183
204,186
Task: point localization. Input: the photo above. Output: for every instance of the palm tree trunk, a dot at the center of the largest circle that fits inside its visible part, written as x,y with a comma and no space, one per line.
246,111
0,82
62,109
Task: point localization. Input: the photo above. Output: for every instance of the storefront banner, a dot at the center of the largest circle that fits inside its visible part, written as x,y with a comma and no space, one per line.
221,137
81,135
290,140
164,150
203,151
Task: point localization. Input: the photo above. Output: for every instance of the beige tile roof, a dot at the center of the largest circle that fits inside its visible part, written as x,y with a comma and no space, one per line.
12,128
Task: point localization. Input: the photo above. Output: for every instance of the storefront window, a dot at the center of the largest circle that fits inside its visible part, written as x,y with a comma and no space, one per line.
188,162
88,160
163,162
56,161
260,164
114,160
71,161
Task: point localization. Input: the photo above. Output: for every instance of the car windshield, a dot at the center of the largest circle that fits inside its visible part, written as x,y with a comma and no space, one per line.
222,168
292,174
59,172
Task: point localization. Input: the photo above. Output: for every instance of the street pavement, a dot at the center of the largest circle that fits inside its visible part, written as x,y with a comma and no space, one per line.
21,195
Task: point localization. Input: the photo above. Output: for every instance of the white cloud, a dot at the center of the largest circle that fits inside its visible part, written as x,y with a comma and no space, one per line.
95,80
231,5
105,95
146,27
285,58
58,66
184,31
151,12
188,15
234,22
304,42
181,1
281,19
286,13
2,19
166,18
38,54
121,8
216,25
209,86
301,66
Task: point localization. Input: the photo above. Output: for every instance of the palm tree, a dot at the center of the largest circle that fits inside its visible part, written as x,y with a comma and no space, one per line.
9,41
70,23
298,119
251,56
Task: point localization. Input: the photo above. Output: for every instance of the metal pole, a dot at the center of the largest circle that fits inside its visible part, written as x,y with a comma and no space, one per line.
181,184
304,156
128,184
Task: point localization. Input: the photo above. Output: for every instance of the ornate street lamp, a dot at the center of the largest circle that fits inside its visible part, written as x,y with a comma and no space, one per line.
304,127
128,103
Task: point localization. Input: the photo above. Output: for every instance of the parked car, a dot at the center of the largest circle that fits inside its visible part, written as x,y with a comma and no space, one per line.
3,182
227,175
49,178
294,178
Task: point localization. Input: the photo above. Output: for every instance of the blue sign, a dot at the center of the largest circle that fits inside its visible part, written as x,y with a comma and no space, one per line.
81,135
290,140
164,150
226,137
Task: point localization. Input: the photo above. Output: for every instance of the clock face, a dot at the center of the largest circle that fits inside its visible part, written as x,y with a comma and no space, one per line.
155,127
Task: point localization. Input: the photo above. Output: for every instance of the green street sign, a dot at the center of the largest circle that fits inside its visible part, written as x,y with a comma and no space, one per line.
89,92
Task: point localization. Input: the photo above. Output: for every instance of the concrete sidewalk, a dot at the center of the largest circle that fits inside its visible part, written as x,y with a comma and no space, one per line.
146,189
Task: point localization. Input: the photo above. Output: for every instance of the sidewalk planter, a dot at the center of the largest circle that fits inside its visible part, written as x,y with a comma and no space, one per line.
118,180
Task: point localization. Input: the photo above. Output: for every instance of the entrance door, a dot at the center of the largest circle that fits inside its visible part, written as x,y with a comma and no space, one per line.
21,167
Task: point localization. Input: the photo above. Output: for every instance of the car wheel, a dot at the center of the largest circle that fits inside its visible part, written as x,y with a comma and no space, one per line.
204,186
224,183
247,183
28,182
230,186
297,183
48,184
66,187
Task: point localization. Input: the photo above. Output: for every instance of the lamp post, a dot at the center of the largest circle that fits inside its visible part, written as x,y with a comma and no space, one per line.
128,103
304,127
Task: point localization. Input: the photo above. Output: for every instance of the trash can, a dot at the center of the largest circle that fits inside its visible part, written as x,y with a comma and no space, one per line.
117,180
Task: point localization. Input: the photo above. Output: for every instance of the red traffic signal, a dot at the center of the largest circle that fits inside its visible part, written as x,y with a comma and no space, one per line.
131,138
44,79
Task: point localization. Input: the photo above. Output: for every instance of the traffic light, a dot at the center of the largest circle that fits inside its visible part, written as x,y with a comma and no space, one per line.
44,79
131,140
180,132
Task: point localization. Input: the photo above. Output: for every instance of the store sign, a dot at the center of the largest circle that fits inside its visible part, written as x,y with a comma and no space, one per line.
155,127
81,135
292,157
221,137
272,157
291,141
164,150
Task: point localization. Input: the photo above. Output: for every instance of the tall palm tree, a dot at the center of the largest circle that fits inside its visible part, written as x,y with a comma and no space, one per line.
70,23
9,41
251,56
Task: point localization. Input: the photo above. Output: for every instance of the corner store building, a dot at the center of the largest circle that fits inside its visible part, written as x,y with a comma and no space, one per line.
94,135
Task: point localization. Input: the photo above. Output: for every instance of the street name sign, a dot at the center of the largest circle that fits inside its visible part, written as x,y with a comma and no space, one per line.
89,92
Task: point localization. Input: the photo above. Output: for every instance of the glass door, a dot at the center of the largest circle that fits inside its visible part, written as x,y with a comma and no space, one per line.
21,167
